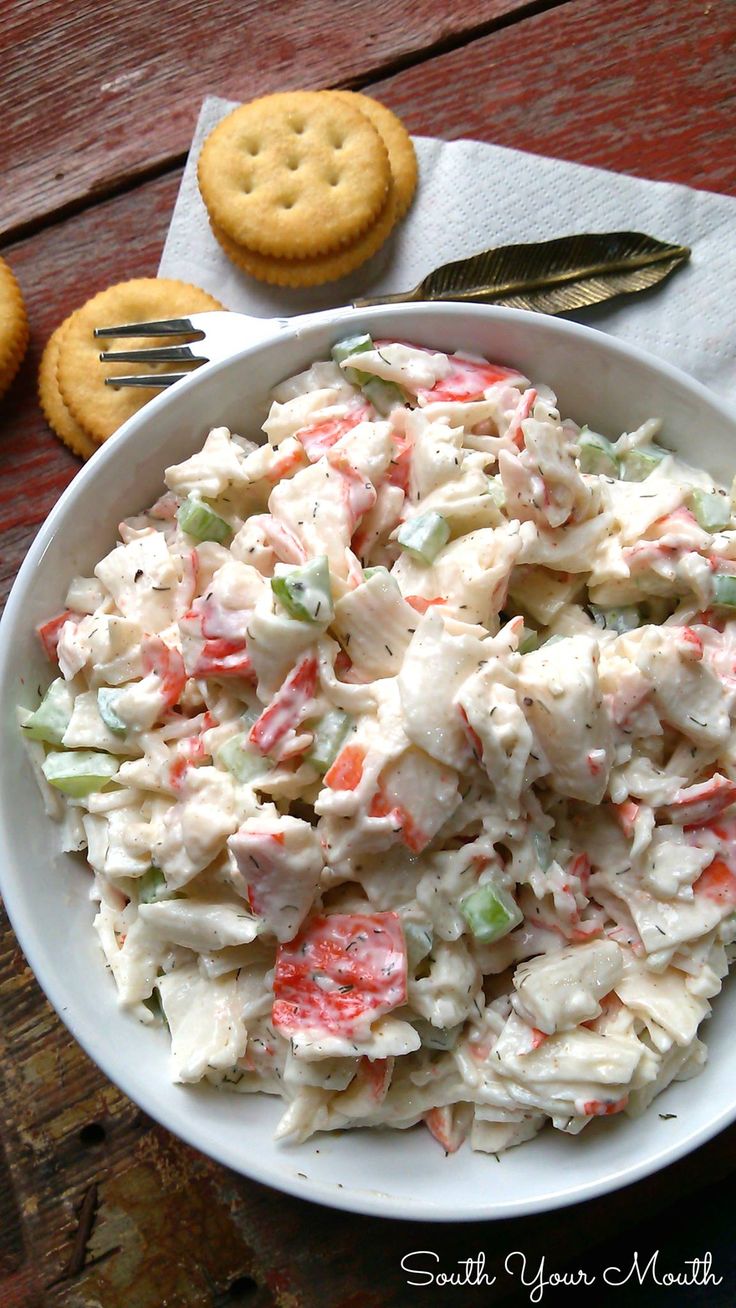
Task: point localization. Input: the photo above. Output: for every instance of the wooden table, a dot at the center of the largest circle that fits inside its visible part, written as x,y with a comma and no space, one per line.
99,1207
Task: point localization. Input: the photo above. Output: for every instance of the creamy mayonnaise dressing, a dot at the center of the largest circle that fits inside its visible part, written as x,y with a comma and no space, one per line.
400,748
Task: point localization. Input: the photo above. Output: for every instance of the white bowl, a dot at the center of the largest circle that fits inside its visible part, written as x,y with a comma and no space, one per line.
597,379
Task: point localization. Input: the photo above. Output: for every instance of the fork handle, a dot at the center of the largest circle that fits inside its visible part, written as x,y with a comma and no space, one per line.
226,333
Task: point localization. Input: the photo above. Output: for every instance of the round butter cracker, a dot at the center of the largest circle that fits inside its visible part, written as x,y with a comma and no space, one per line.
99,409
401,153
294,175
13,327
320,268
55,411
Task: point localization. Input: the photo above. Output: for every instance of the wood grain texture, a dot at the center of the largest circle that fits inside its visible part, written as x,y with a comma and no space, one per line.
639,86
103,94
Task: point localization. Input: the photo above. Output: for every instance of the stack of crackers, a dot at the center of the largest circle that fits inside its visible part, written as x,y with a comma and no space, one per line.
13,327
302,187
76,401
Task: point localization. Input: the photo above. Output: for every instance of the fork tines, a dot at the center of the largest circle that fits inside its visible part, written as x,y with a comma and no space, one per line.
166,327
156,354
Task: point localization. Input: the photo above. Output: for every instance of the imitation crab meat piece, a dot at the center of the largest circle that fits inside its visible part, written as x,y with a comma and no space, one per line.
168,665
448,1127
287,709
600,1107
697,804
718,883
417,794
340,974
375,1073
626,814
48,632
468,379
280,538
346,772
280,860
400,469
319,436
523,410
288,462
215,655
689,644
223,658
420,604
358,494
320,508
189,752
188,585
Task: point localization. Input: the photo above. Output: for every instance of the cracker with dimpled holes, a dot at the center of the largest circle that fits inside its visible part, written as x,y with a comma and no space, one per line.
322,267
99,409
294,175
13,327
55,411
402,157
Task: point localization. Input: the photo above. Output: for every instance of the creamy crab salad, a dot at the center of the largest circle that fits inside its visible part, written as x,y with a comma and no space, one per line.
400,750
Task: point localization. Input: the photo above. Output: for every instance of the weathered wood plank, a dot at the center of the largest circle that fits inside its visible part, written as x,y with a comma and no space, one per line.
99,97
640,86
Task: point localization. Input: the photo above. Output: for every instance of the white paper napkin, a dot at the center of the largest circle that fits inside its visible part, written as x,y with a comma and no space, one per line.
471,196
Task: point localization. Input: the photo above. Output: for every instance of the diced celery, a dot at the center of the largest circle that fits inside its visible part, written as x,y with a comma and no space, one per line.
329,734
529,640
637,464
305,592
106,705
53,715
490,912
383,395
345,349
197,519
626,618
418,943
712,511
496,491
240,758
724,591
434,1037
151,886
79,772
597,454
424,537
542,849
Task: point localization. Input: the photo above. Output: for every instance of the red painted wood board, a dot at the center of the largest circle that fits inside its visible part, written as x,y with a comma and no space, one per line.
96,95
640,86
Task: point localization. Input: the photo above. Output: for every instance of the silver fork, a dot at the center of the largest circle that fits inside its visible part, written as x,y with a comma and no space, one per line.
568,272
216,333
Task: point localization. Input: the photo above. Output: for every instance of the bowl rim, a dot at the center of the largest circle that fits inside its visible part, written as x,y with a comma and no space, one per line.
370,1203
